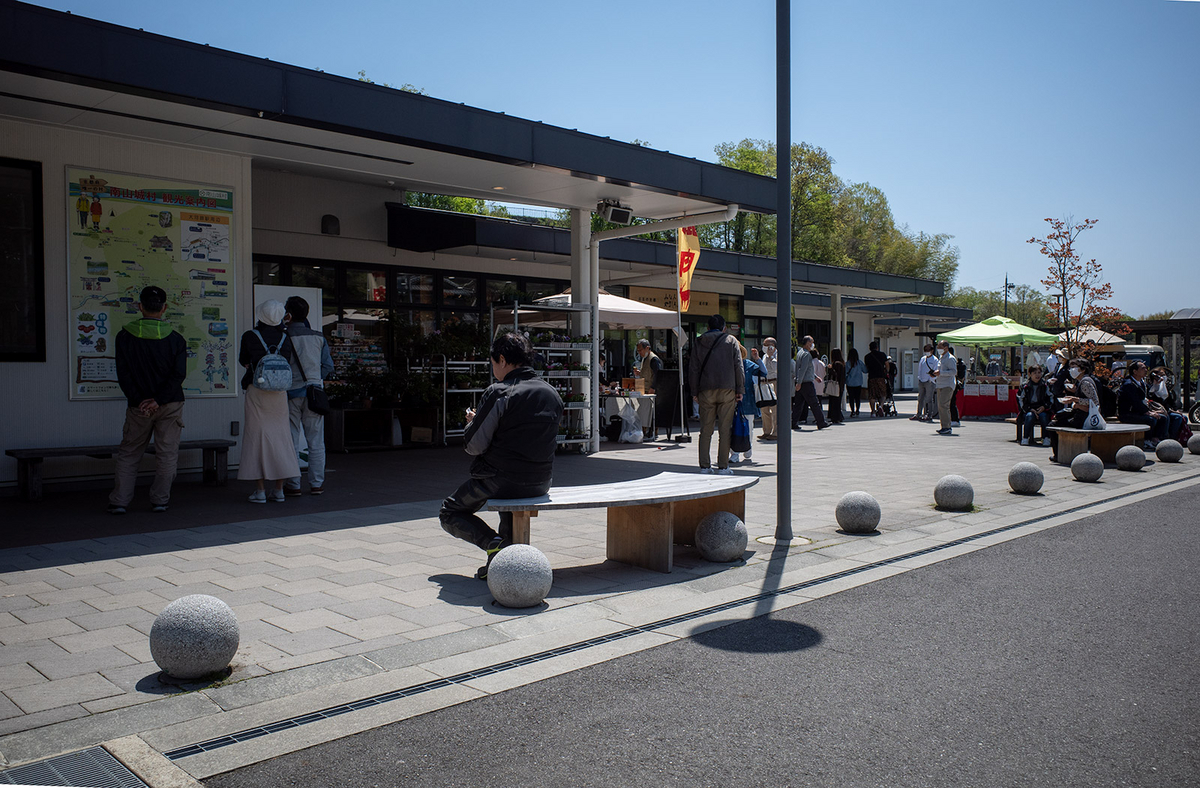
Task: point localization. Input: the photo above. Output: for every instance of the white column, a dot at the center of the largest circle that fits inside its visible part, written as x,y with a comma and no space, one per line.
837,330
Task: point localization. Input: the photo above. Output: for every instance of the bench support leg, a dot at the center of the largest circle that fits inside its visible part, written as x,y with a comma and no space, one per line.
520,527
1070,446
216,467
29,478
688,514
642,535
1106,444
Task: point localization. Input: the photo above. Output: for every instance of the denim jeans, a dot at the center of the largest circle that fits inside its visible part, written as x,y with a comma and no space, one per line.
1030,418
310,426
458,511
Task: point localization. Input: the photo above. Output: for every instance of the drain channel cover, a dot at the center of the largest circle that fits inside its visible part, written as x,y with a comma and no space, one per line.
92,768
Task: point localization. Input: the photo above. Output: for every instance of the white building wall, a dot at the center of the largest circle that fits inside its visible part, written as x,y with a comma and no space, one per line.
39,411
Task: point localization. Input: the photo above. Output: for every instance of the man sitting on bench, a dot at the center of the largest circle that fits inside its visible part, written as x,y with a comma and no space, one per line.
512,438
1135,407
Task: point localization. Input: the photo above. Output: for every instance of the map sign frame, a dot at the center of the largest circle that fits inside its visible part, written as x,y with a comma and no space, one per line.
126,231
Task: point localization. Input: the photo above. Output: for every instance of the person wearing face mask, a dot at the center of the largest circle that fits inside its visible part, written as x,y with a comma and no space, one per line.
1134,405
1160,393
1075,408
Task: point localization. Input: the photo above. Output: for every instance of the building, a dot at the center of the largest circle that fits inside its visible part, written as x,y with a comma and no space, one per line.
135,158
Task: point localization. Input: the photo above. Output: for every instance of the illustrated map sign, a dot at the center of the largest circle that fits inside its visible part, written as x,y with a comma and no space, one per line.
129,231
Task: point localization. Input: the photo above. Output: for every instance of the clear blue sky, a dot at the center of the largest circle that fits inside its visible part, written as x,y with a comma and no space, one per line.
976,119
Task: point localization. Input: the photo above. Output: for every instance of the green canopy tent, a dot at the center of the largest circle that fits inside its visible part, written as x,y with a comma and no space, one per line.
999,331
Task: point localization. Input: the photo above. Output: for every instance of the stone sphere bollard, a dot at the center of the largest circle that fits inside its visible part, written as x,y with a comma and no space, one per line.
1194,443
721,537
1131,458
953,492
194,636
1169,451
1087,467
1026,478
858,512
520,576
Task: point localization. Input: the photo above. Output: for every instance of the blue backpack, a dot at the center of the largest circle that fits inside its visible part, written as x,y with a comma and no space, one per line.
273,372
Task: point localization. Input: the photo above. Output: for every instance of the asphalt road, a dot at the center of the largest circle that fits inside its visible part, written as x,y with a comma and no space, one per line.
1066,658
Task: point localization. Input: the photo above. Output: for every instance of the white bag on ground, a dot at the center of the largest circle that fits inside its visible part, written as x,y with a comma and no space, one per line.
631,425
1094,420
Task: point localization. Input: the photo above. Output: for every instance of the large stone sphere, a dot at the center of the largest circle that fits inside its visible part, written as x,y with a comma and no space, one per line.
721,537
520,576
1087,467
953,492
1026,478
858,512
1169,451
1131,458
1194,443
194,636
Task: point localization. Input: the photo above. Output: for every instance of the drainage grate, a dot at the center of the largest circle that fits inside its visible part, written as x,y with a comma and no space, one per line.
500,667
91,768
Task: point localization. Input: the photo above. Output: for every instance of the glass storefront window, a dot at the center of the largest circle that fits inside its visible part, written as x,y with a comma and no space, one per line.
414,288
322,276
460,291
536,290
502,291
366,285
267,273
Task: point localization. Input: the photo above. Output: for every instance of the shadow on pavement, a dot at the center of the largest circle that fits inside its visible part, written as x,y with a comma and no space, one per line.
771,636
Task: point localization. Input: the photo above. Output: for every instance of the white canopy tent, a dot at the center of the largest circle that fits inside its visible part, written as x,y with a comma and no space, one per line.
622,313
1093,334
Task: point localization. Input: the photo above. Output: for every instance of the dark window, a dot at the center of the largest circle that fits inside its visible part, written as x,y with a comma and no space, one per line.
460,291
414,288
322,276
364,285
23,297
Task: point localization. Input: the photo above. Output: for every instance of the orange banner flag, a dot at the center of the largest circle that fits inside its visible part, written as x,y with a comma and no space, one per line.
688,246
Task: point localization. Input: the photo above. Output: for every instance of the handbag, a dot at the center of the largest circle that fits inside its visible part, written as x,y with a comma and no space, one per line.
764,393
1185,433
739,437
832,388
318,400
1094,420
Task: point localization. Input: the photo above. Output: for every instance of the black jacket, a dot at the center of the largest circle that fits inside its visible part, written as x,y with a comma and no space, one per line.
514,432
1035,395
252,350
151,362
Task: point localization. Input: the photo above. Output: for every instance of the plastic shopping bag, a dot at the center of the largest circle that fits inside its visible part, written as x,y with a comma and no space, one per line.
631,425
1094,420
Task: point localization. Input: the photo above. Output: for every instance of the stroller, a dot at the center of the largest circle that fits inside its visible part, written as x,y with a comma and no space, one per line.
888,406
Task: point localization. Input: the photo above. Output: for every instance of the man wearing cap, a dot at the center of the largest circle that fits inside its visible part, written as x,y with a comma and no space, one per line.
151,367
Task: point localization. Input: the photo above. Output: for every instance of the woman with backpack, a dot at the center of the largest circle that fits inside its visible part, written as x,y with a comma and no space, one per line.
267,450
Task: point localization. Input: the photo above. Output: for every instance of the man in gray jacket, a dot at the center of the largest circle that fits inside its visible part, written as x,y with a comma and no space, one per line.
717,376
806,381
311,364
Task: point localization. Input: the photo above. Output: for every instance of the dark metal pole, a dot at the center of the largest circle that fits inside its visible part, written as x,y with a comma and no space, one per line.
1006,295
783,265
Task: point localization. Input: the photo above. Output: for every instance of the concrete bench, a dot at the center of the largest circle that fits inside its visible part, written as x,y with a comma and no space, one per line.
646,517
1073,441
29,461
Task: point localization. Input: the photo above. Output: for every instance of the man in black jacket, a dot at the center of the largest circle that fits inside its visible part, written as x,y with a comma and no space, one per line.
151,367
512,438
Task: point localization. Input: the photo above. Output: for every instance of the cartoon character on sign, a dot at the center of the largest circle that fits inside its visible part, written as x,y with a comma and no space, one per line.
209,370
84,206
97,211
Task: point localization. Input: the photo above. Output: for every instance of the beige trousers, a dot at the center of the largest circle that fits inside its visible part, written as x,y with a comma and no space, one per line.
770,421
164,424
717,407
944,395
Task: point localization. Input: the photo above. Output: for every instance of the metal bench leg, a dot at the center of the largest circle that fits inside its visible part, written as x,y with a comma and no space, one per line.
642,535
29,478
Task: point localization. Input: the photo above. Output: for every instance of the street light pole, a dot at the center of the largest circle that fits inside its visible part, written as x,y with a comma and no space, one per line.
783,266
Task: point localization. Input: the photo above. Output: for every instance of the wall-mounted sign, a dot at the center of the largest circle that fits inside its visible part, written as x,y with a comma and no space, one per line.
128,231
701,303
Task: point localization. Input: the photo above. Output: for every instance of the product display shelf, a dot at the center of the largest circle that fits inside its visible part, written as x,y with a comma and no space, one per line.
456,397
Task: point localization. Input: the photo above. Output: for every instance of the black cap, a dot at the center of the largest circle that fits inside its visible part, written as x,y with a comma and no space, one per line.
153,298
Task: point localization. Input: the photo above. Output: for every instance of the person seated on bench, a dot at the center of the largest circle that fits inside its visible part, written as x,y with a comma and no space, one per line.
1134,406
512,437
1159,392
151,367
1036,404
1074,409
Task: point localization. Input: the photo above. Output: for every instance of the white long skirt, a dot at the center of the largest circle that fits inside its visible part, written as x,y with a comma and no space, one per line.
267,450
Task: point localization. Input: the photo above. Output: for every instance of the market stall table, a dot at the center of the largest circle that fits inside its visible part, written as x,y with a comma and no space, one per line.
643,405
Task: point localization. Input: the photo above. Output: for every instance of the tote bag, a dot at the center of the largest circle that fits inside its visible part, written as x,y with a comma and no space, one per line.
832,388
1094,420
739,439
764,393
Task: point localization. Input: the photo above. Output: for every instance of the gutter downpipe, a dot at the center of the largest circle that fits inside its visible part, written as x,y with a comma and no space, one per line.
713,217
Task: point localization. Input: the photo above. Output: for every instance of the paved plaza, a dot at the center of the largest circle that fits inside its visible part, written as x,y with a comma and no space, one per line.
337,606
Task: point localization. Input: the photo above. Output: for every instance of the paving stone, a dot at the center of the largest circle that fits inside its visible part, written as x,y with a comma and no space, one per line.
25,722
135,617
368,607
63,664
308,641
290,682
16,602
25,633
310,619
407,654
88,641
62,692
19,675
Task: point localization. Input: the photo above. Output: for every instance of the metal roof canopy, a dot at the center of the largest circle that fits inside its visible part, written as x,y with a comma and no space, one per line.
427,230
62,69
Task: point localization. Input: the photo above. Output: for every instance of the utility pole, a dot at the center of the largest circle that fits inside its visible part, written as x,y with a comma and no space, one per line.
783,264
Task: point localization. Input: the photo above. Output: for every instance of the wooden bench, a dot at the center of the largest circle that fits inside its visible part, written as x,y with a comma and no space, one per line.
1073,441
646,517
29,461
1020,422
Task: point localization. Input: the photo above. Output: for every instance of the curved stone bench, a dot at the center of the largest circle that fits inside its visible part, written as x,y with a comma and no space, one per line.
646,517
1073,441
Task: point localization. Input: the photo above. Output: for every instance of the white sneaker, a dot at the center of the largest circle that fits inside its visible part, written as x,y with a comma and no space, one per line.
746,456
1045,441
708,470
258,496
724,471
276,496
1024,441
735,457
955,424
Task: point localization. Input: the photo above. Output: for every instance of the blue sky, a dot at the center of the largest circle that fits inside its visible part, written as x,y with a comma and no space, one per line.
976,119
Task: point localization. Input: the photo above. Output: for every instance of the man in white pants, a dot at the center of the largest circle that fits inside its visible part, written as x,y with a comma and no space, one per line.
311,364
946,381
926,390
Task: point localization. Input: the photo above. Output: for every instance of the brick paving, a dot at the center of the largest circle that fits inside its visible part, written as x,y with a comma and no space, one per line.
354,598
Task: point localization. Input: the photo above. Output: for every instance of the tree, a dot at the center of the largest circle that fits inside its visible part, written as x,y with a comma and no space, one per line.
1026,305
1076,286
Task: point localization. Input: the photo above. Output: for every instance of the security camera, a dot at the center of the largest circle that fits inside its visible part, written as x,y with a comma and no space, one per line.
615,213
